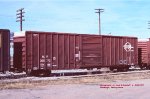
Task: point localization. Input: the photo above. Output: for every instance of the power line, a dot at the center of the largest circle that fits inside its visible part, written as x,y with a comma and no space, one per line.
148,24
20,16
99,12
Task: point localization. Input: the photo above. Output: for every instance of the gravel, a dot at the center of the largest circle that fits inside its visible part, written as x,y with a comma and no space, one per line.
123,86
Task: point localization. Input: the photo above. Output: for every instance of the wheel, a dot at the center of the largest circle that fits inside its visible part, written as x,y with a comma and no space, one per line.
126,69
28,72
111,69
148,67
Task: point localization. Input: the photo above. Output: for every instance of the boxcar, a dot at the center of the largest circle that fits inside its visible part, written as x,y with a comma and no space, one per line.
4,50
46,51
144,53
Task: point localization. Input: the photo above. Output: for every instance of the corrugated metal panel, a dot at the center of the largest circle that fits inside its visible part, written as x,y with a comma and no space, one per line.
114,52
144,52
91,52
4,49
52,51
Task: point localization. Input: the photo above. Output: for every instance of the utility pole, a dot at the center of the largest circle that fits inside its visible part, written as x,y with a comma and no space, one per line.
20,16
99,13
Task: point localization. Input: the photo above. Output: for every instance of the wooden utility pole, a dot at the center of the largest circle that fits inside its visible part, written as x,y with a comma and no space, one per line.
99,13
20,16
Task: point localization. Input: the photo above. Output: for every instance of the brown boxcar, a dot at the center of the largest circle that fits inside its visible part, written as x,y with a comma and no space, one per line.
144,53
4,50
53,51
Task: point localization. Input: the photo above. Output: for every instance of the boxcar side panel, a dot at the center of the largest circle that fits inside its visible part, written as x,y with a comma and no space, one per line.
119,50
148,52
144,52
52,51
91,51
4,50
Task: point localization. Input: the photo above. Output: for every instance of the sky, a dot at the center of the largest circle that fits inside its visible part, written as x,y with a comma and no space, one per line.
120,17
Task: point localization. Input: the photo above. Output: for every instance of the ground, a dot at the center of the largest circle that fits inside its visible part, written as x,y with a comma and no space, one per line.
132,86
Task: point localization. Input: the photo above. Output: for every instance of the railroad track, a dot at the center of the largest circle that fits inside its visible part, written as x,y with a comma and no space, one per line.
116,73
90,78
23,75
91,72
88,75
10,75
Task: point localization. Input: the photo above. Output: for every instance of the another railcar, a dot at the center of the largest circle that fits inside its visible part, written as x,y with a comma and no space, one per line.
144,53
4,50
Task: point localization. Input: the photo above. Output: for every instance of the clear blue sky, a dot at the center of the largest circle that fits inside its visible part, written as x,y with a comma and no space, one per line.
120,17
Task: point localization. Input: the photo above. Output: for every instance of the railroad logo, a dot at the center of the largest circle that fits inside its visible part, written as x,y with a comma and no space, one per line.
127,46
